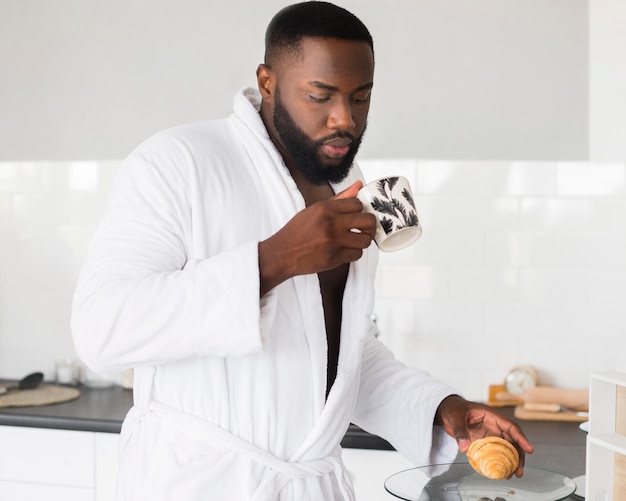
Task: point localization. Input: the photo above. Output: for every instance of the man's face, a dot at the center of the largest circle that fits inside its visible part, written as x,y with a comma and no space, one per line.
320,105
307,153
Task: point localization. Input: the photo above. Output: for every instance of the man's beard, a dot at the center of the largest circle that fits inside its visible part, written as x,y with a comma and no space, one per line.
305,152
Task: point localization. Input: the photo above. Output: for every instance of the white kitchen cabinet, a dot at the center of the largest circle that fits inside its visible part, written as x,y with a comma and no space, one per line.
606,441
42,464
56,465
106,454
15,491
370,468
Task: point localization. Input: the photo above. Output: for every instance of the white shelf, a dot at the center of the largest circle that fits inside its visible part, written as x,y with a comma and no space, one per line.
614,442
611,377
606,441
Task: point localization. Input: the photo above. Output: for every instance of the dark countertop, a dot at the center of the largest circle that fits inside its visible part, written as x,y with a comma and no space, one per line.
103,410
99,410
559,446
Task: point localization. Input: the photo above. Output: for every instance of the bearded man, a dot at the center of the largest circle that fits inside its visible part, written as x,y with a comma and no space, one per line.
234,272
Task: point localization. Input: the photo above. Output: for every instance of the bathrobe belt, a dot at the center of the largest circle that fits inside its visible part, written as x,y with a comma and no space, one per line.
279,472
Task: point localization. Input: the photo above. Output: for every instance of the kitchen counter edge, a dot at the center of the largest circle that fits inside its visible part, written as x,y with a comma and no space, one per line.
103,410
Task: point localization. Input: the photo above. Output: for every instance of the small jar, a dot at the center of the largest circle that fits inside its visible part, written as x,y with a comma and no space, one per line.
66,372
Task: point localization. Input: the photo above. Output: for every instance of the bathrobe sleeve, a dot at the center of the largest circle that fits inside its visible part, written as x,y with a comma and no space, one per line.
399,403
143,298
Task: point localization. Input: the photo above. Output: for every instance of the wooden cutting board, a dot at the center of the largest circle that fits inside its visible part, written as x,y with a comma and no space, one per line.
578,399
44,394
522,413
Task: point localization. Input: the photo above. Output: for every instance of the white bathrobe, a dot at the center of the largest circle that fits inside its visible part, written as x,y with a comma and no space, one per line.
229,388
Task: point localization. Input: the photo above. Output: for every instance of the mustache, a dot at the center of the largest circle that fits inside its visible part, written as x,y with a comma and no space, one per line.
337,135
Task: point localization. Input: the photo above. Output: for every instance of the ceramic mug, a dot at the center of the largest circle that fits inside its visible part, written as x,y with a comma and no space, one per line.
390,199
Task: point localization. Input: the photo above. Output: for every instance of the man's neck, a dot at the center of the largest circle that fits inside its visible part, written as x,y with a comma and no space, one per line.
311,193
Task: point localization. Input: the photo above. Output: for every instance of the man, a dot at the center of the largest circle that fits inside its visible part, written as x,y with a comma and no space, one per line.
234,270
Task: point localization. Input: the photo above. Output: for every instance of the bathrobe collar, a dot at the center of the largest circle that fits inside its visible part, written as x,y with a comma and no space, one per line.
286,200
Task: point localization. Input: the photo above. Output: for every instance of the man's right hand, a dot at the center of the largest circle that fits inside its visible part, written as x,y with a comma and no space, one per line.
321,237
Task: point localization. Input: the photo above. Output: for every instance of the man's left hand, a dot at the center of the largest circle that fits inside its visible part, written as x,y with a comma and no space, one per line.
467,421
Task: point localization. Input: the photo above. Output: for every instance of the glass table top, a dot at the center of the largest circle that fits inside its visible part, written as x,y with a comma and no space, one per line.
459,482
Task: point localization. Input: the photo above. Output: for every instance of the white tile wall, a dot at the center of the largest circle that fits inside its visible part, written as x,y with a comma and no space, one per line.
48,212
519,263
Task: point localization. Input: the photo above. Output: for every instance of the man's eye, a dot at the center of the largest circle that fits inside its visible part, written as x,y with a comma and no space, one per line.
361,99
318,99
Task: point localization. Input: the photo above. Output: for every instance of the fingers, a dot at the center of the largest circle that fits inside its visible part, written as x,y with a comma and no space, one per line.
523,446
343,233
453,414
462,436
468,421
520,439
511,431
350,192
522,461
322,236
343,219
357,227
344,205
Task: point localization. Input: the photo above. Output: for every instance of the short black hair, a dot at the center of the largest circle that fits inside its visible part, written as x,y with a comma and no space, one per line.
311,19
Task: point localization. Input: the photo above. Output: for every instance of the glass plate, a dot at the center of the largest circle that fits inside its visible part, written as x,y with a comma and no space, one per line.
459,482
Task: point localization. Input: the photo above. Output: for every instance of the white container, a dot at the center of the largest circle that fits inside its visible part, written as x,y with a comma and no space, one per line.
99,380
66,371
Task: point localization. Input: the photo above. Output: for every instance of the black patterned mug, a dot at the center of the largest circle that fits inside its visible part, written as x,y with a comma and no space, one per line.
390,199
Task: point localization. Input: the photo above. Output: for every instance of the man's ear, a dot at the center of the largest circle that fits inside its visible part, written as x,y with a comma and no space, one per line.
266,82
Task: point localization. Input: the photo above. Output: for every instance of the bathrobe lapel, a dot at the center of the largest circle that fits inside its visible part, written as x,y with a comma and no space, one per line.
285,200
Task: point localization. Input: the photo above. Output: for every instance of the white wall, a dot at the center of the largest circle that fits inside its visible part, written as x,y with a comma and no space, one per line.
455,79
48,212
520,262
527,280
607,79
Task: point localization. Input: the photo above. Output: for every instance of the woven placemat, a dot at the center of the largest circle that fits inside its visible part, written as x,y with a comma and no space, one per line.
44,394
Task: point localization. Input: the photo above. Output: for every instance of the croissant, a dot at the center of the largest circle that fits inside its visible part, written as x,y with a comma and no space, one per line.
493,457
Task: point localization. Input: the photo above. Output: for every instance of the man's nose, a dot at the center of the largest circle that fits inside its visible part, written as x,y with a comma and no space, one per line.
341,116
